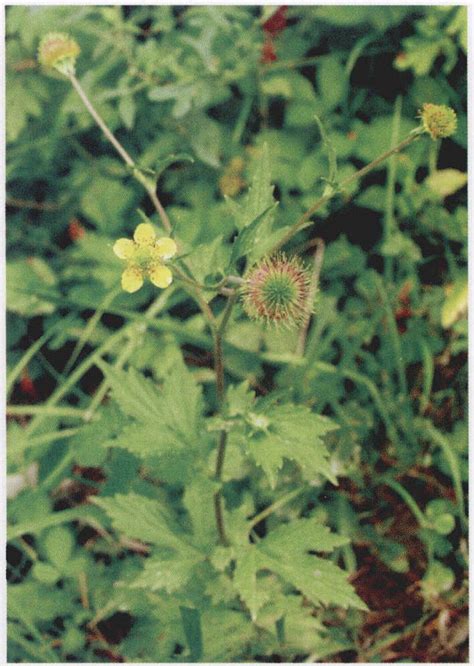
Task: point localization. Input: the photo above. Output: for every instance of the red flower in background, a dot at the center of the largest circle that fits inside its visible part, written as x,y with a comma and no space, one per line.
76,230
277,22
27,385
271,29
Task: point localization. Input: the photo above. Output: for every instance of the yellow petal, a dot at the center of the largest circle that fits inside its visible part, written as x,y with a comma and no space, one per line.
161,276
132,279
165,248
144,234
124,248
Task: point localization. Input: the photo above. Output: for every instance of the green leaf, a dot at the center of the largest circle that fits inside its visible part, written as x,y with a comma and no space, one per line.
191,618
31,287
259,198
331,153
170,573
456,302
226,633
45,573
245,580
321,581
198,497
208,259
104,202
446,182
437,579
22,102
58,546
294,433
166,418
205,137
140,517
332,81
285,551
127,110
249,242
304,534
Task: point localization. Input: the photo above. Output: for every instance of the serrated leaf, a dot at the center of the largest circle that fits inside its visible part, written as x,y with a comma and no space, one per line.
167,573
285,551
248,242
166,418
304,534
140,517
321,581
294,433
225,632
260,195
240,398
245,580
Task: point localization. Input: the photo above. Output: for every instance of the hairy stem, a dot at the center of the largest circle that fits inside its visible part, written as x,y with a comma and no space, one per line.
220,388
137,174
348,181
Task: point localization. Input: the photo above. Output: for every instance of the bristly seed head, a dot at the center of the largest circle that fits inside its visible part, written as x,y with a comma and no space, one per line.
276,291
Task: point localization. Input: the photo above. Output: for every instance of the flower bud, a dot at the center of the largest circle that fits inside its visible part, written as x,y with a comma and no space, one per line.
58,51
438,120
276,291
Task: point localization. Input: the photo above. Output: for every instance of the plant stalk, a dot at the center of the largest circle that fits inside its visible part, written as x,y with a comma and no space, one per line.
348,181
137,174
220,389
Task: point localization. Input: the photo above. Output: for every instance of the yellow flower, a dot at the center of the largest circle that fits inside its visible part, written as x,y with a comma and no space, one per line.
59,51
145,256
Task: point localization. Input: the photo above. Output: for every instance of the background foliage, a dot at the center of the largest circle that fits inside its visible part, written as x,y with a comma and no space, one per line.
196,94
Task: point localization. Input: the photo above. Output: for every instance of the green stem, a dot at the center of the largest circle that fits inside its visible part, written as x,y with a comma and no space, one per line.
220,389
89,329
28,355
45,410
372,390
389,218
408,499
397,347
273,507
345,183
137,174
439,439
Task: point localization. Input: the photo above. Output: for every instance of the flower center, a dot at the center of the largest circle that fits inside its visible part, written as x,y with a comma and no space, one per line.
142,257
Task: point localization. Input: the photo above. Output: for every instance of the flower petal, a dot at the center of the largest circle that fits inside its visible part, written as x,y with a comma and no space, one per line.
144,234
161,276
132,279
165,248
124,248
